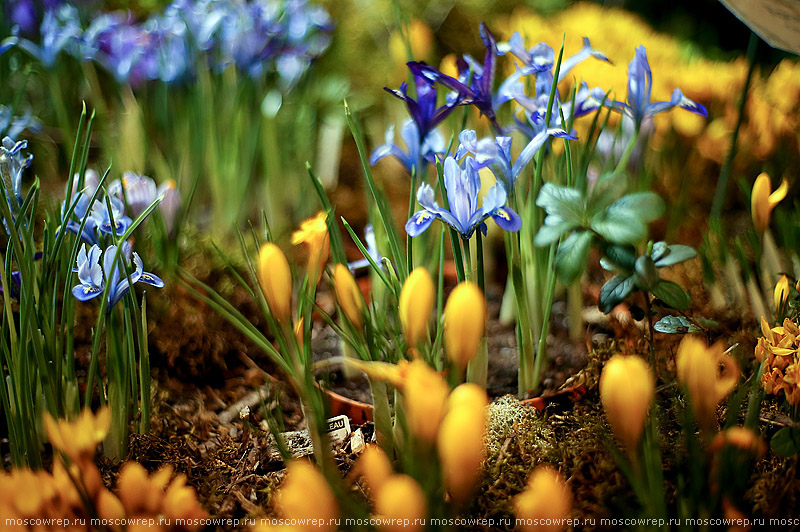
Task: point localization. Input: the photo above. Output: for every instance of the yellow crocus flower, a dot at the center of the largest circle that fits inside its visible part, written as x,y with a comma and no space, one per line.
763,200
275,278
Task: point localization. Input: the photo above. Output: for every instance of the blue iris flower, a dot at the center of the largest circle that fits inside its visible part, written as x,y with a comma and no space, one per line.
98,219
60,31
540,61
462,185
432,145
93,277
12,163
372,250
640,83
424,111
495,153
475,81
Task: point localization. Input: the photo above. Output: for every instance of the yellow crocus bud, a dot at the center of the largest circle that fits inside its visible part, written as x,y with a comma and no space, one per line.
464,323
545,503
109,508
781,293
180,503
416,303
739,438
314,234
425,396
275,278
78,439
401,505
305,494
626,390
699,372
763,200
460,440
374,467
349,295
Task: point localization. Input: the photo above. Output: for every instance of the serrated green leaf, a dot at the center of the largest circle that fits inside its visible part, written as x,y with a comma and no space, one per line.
646,206
786,442
619,227
671,294
675,325
549,233
573,254
564,202
614,292
675,254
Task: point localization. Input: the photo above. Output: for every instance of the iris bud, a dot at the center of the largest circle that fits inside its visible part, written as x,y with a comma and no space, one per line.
276,281
349,295
546,499
416,303
626,390
464,323
401,505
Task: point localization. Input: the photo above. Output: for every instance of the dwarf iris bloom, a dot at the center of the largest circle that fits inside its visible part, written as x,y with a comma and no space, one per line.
475,82
60,30
462,184
372,250
94,277
640,83
432,145
495,153
423,110
12,163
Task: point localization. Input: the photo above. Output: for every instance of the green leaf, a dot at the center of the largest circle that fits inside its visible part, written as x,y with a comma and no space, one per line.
606,190
550,232
564,202
572,255
621,257
614,292
646,275
786,442
671,294
618,226
646,206
675,325
675,254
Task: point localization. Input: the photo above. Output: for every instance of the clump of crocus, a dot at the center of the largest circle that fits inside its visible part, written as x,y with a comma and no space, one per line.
400,505
424,397
306,495
374,467
763,200
460,440
464,323
79,439
779,350
275,278
314,234
708,374
545,504
416,303
348,294
626,390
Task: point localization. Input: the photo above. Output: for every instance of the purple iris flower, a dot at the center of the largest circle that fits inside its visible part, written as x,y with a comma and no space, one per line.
424,111
640,83
60,31
462,185
432,145
93,277
475,82
495,153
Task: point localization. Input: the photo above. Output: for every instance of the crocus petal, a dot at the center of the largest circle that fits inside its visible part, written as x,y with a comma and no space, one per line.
779,193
